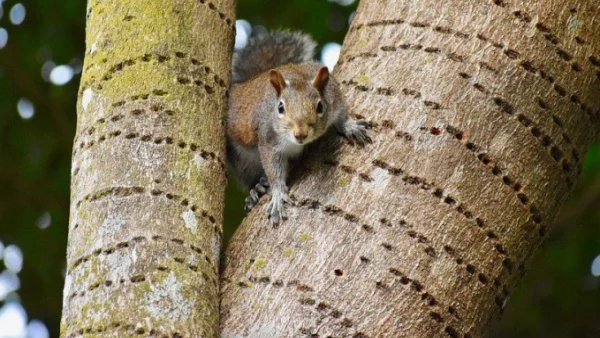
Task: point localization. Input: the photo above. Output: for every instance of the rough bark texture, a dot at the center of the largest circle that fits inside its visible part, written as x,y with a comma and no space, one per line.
148,173
482,112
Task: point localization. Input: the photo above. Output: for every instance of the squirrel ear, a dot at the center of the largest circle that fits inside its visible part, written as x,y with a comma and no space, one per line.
277,81
321,79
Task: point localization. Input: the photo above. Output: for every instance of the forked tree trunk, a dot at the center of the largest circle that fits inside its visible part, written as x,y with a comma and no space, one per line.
148,173
482,113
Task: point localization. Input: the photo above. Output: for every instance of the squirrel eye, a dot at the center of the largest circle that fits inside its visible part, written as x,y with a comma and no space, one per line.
281,108
319,108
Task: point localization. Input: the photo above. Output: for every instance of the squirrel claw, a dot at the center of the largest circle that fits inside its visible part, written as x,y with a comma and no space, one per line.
288,200
249,204
261,187
256,193
277,212
276,208
356,132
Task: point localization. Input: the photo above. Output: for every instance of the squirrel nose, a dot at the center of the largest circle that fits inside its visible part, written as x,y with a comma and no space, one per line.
300,136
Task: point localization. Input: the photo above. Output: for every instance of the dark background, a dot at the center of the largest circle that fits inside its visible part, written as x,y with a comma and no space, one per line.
558,298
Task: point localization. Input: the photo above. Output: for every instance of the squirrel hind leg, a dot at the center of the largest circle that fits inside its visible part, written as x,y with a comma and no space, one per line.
258,191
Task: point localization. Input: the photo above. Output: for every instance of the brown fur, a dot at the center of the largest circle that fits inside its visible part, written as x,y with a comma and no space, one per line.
274,114
247,104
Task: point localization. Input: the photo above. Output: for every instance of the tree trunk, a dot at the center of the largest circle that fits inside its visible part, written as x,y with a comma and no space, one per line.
148,173
482,112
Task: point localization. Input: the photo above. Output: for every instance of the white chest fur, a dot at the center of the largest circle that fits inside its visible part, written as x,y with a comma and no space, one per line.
290,149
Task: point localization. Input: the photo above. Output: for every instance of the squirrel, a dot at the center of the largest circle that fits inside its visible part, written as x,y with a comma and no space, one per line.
280,100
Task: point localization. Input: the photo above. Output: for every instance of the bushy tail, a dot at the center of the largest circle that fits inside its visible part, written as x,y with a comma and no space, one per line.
266,50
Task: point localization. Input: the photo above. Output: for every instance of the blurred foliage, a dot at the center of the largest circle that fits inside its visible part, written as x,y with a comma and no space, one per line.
35,154
559,297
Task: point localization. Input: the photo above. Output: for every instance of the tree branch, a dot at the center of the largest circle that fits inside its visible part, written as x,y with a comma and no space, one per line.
481,113
148,175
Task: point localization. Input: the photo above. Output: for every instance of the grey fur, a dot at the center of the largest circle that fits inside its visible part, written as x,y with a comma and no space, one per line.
276,143
244,164
266,50
256,193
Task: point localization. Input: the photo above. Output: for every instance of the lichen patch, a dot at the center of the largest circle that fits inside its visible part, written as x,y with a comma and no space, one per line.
111,225
380,179
119,263
190,221
86,98
574,23
166,301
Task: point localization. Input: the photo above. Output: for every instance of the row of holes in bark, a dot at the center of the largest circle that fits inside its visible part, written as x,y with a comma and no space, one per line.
277,283
548,34
556,153
417,47
482,156
211,6
506,264
545,141
499,247
325,310
130,191
304,300
138,112
418,237
422,184
562,54
128,329
321,306
387,125
538,70
561,91
333,210
450,201
140,278
485,159
390,125
159,93
471,269
436,50
161,58
512,54
418,288
221,15
157,140
138,240
308,333
388,91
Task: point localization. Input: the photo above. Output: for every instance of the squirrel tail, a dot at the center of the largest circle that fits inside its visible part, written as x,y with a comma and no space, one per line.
266,50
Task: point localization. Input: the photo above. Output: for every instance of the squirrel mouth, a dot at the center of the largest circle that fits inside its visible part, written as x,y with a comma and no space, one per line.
303,141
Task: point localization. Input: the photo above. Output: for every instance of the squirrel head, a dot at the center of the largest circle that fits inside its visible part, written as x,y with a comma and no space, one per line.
300,107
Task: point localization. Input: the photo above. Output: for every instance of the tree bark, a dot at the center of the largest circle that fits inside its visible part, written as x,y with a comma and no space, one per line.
481,113
148,173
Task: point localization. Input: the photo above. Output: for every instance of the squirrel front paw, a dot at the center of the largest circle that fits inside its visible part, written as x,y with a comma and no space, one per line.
276,210
256,193
356,131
